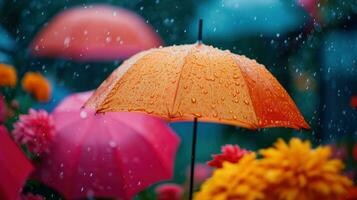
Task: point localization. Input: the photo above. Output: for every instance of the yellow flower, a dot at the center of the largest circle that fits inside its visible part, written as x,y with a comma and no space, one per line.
291,171
294,171
37,85
238,181
8,76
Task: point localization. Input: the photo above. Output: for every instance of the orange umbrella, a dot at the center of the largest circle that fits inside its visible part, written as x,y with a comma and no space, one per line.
198,82
94,33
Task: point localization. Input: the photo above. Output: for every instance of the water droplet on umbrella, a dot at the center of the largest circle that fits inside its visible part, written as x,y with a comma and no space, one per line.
246,102
193,100
197,114
83,114
61,175
112,143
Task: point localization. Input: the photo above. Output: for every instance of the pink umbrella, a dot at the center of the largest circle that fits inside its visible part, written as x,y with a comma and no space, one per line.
110,155
95,33
14,167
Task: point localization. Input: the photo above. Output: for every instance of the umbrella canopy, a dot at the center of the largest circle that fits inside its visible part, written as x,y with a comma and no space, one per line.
14,167
94,33
111,155
198,81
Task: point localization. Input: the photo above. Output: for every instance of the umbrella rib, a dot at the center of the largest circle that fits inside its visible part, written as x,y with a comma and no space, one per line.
179,79
246,84
76,161
149,145
144,138
117,159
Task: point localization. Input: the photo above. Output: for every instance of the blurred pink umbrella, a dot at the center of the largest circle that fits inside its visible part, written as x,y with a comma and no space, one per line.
14,167
110,155
94,33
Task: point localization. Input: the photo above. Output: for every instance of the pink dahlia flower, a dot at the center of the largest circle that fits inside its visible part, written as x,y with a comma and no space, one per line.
35,130
230,153
169,192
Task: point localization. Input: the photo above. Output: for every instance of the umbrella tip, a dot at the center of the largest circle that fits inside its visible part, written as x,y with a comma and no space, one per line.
200,24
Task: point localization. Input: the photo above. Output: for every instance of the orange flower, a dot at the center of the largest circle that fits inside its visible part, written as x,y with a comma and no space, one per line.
7,76
37,85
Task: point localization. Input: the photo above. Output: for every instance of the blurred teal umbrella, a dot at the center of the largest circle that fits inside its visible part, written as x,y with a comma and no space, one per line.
229,19
7,42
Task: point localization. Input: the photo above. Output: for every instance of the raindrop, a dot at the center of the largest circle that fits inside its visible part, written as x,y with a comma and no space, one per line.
61,175
246,102
83,114
66,41
112,144
197,114
193,100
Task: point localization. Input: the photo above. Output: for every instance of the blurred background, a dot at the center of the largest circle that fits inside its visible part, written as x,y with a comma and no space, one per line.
310,46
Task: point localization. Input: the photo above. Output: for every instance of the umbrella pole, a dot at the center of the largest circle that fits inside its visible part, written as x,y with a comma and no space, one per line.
193,156
194,136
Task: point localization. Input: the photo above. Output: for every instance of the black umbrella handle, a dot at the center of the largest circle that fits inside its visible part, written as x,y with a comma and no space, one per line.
200,24
194,136
193,157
